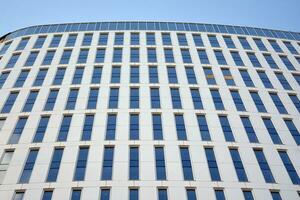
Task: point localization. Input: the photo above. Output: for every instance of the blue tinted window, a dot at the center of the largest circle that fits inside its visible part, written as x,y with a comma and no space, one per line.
87,39
31,58
40,77
285,84
115,74
252,57
238,165
151,53
190,74
134,38
287,62
198,40
93,98
191,194
87,127
172,76
51,100
258,102
275,46
41,129
55,41
96,77
100,55
212,164
71,40
134,97
259,43
220,195
160,163
81,164
186,57
228,77
23,43
133,194
237,58
47,195
134,74
237,100
65,58
244,43
264,78
76,193
71,103
119,39
220,57
295,100
203,56
134,127
105,194
117,55
186,163
248,195
59,76
213,41
9,103
289,167
180,127
48,58
297,78
279,105
153,74
229,42
14,138
134,163
155,98
162,194
290,47
166,38
134,54
275,195
150,38
270,61
3,78
209,76
272,131
5,48
107,167
264,166
83,55
203,128
21,79
30,101
169,57
29,166
157,127
217,99
55,165
111,127
249,130
246,78
113,98
39,42
78,75
293,130
175,95
196,99
182,39
226,129
64,128
103,39
12,61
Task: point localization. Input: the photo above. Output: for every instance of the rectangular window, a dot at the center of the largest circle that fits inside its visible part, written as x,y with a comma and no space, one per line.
30,101
47,195
162,194
293,130
275,46
83,55
78,75
186,164
119,39
210,78
228,77
246,78
229,42
217,99
107,164
76,193
191,194
55,164
157,127
134,74
27,170
186,57
237,100
9,103
198,40
134,55
270,61
287,62
23,43
96,77
134,163
175,95
160,163
22,78
260,45
100,55
65,58
105,194
272,131
134,127
182,39
237,58
81,164
203,56
64,128
219,194
134,39
5,48
134,97
113,98
166,39
87,39
275,195
172,76
133,194
55,41
296,77
87,127
279,105
295,101
39,42
212,164
150,38
4,163
248,195
51,100
41,129
18,195
197,102
71,40
249,130
40,77
71,102
252,57
289,167
213,41
59,76
111,127
48,58
169,57
203,128
115,74
103,39
244,43
258,102
264,78
290,47
31,58
155,98
151,53
238,165
264,166
226,129
3,78
12,61
180,127
153,74
220,57
285,84
93,98
190,74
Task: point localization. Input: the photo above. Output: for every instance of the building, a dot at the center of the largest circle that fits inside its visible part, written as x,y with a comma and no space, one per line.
149,110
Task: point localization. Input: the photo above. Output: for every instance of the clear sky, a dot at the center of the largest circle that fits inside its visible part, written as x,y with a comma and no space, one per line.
274,14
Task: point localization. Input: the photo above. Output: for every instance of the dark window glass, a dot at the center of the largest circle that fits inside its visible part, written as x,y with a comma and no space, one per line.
117,55
289,167
271,61
134,127
226,129
111,127
47,195
78,75
115,74
133,194
180,127
107,166
190,74
14,138
272,131
30,101
228,77
39,42
134,74
87,127
220,57
258,102
275,46
203,128
182,39
217,99
285,84
244,43
59,76
87,39
119,39
172,76
3,78
71,102
134,38
220,195
9,103
51,100
186,163
287,62
65,58
259,43
21,79
295,101
175,95
134,98
160,163
290,47
275,195
55,41
237,100
264,78
249,130
64,128
153,74
264,166
100,55
196,99
210,78
48,58
31,58
55,165
41,129
162,194
76,193
237,58
246,78
169,57
191,194
83,55
229,42
81,164
12,61
23,43
103,39
203,56
134,163
293,130
96,77
71,40
238,165
40,77
279,105
105,194
134,55
157,127
255,62
150,38
213,41
166,38
248,195
151,53
212,164
113,98
27,170
198,40
93,98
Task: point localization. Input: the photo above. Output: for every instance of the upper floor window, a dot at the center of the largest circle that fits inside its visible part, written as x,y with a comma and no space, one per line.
203,56
55,41
182,39
198,40
87,39
275,46
213,41
83,55
71,40
103,38
134,38
39,42
23,43
244,43
119,38
259,43
220,57
237,58
150,38
229,42
166,39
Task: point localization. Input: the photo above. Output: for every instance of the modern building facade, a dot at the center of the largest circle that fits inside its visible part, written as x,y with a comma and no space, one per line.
149,110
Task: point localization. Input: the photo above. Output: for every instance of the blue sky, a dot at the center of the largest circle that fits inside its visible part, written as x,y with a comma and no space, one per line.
274,14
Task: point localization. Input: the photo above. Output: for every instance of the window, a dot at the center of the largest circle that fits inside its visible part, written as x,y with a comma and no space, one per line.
229,42
150,38
203,128
115,74
119,37
264,166
172,76
76,193
272,131
285,84
252,57
55,164
191,194
78,75
133,194
289,167
134,97
166,39
237,58
249,130
210,78
111,127
290,47
180,127
270,61
59,76
260,45
228,77
246,78
134,55
64,128
295,101
5,48
83,55
65,58
22,78
51,100
213,41
186,164
198,40
203,56
287,62
134,74
87,127
219,194
96,77
48,58
162,194
31,58
212,164
87,39
71,40
296,76
275,46
151,52
279,105
30,101
244,43
217,99
134,163
41,129
196,99
157,127
238,165
248,195
105,194
237,100
186,57
113,98
55,41
18,195
169,57
9,103
220,58
258,102
23,43
3,78
39,42
27,170
72,99
153,74
226,129
190,75
47,195
293,130
103,39
12,61
182,39
108,160
93,98
40,77
81,164
100,55
264,78
275,195
134,127
134,39
4,163
160,163
175,95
